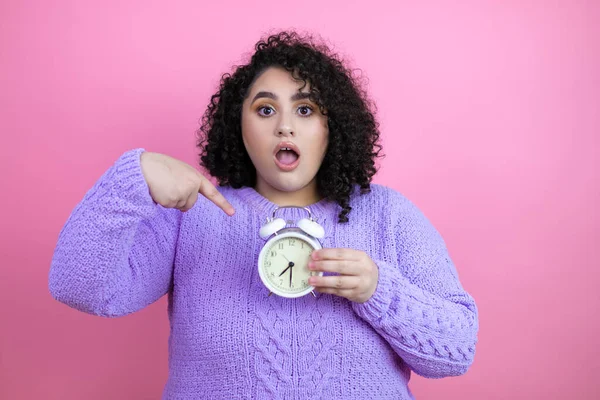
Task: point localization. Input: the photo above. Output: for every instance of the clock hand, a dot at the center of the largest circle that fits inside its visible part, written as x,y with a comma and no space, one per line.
290,265
286,259
283,272
291,270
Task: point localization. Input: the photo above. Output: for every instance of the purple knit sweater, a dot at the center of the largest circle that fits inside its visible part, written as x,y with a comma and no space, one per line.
119,252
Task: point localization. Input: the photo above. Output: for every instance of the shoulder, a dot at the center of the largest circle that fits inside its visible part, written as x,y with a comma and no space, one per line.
386,203
380,196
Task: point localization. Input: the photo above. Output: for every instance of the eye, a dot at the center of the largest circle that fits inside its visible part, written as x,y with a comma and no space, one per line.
265,111
305,110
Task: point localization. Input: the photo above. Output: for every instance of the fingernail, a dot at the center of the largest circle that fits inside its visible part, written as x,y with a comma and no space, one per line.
311,265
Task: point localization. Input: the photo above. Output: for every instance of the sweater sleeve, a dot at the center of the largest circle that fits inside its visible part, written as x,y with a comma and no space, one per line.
115,253
419,305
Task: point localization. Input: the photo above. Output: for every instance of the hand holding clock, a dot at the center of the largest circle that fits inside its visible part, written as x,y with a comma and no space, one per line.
358,274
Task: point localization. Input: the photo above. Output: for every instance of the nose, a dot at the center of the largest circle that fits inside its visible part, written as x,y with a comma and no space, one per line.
285,127
285,131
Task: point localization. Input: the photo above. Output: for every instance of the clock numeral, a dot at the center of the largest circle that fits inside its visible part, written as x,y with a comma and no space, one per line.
268,263
280,247
302,245
273,253
304,284
272,274
291,242
281,281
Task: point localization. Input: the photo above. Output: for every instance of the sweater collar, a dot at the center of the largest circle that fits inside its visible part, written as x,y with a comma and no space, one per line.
323,210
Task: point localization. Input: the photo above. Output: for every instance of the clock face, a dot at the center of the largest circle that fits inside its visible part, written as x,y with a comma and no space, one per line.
283,264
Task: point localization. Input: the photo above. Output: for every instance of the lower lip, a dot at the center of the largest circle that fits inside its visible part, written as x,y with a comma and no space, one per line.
287,167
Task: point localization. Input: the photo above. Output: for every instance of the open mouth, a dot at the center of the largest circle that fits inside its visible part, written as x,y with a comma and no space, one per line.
287,156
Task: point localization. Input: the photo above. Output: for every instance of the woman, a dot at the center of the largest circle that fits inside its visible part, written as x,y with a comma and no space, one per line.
290,128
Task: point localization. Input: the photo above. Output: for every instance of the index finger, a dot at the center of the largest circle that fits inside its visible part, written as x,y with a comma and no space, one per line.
208,190
336,254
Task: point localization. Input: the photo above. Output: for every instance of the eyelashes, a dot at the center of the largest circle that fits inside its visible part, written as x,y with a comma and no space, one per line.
303,110
265,111
308,110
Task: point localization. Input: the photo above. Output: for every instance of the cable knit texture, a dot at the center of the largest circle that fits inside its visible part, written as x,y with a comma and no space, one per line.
119,252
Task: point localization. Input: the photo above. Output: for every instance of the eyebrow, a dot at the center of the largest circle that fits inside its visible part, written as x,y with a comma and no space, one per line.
270,95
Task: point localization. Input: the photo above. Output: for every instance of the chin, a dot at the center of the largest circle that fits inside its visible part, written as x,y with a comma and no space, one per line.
287,184
288,188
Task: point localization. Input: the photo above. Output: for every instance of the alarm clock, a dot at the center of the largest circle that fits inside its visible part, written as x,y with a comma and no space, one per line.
283,260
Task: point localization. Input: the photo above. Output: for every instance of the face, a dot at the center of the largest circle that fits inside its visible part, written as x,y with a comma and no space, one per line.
286,137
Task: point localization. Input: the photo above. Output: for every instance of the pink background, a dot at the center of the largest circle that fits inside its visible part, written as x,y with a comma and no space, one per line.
490,116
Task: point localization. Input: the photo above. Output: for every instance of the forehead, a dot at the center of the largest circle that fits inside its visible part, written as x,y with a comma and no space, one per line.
279,81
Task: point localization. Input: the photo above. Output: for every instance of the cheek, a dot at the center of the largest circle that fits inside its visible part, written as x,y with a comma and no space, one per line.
254,146
322,140
318,146
250,135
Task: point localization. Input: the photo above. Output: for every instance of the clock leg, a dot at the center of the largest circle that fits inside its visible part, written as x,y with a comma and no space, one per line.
313,293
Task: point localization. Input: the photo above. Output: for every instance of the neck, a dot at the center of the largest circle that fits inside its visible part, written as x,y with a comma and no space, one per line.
304,197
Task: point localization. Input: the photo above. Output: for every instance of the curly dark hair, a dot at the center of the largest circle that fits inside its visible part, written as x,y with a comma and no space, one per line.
353,129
